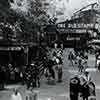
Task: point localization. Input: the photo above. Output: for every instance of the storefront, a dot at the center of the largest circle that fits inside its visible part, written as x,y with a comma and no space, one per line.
12,54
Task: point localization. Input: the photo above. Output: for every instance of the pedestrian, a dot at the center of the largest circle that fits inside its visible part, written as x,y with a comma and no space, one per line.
80,66
16,69
12,75
16,95
71,58
50,65
87,76
85,64
2,78
86,91
7,74
60,73
74,88
29,94
36,76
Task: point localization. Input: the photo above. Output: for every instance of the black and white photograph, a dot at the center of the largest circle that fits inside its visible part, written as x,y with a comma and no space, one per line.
49,49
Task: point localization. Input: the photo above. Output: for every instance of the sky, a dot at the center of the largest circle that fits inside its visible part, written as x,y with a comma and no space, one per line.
64,8
69,7
20,5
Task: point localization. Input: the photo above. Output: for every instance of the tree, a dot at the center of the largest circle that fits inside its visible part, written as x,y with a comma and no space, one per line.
32,18
32,10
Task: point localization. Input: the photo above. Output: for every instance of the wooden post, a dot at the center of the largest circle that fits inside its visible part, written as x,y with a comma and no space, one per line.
26,52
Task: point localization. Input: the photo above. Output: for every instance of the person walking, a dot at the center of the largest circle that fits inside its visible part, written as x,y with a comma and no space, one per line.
87,76
50,64
80,66
74,88
85,86
2,77
60,73
71,58
58,68
37,76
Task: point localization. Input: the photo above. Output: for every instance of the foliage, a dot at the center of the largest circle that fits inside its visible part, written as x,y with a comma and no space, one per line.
25,25
32,21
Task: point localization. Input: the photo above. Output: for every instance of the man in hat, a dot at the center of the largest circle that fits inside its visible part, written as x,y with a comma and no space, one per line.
87,76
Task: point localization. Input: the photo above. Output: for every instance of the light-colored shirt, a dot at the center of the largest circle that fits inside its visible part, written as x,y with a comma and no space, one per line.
16,97
87,78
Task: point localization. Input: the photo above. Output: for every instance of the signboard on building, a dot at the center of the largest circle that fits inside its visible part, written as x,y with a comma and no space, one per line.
76,25
73,30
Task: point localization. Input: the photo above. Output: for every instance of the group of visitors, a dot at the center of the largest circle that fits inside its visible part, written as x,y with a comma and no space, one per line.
28,74
78,59
31,76
54,68
9,74
82,87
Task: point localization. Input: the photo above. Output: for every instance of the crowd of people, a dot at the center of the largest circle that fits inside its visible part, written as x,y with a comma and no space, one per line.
81,84
79,59
53,68
31,76
82,87
27,74
9,74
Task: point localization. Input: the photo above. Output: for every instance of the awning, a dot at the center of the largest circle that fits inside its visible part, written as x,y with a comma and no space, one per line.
95,41
10,48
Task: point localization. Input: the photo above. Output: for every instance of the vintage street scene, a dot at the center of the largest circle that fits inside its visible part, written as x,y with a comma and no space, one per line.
49,49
